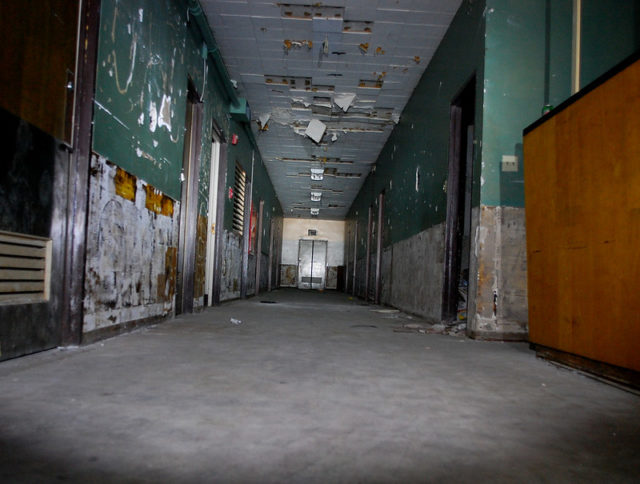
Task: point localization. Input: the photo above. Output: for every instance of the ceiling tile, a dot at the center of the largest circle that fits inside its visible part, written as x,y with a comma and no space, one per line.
256,40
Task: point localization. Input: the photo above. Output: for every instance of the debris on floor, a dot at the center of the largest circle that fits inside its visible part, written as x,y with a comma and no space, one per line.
426,328
235,321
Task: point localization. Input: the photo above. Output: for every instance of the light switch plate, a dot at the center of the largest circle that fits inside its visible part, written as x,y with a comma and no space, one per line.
509,163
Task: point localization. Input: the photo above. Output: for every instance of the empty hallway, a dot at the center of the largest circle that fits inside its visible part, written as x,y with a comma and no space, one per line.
309,387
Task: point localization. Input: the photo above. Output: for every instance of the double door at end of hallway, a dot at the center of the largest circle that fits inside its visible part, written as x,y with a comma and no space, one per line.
312,264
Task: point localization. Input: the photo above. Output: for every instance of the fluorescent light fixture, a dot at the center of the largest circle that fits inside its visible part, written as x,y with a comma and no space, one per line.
317,173
315,211
316,196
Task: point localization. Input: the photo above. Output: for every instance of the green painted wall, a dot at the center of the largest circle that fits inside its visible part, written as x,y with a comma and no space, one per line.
610,33
523,63
261,189
141,85
560,27
514,92
517,72
420,142
146,53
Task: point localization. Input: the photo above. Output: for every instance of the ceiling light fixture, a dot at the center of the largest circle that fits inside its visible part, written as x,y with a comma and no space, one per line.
317,173
316,196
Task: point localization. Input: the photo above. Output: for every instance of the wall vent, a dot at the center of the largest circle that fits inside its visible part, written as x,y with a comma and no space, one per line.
25,268
239,187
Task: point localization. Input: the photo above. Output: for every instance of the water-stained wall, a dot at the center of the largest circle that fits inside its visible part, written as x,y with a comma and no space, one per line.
131,251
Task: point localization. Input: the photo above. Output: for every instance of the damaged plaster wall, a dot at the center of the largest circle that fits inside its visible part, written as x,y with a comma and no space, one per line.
147,53
231,266
251,273
501,284
417,270
131,251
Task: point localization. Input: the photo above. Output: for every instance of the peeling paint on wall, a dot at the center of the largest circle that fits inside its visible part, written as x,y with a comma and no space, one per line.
125,185
201,255
288,275
167,280
158,202
231,266
501,291
131,255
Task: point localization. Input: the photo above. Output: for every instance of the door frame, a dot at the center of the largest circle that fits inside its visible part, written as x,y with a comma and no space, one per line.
77,200
355,259
212,220
452,256
185,283
258,248
378,281
367,269
219,216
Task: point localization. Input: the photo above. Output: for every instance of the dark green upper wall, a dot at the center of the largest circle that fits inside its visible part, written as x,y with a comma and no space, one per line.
523,72
514,92
161,51
141,86
610,33
420,142
558,70
523,63
246,154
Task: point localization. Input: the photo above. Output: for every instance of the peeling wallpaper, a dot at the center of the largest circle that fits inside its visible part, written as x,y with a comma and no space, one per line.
131,254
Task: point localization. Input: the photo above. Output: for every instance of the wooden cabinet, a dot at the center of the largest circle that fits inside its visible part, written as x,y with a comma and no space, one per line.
582,189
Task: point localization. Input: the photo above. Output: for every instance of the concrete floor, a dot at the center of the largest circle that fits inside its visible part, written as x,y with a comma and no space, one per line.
315,388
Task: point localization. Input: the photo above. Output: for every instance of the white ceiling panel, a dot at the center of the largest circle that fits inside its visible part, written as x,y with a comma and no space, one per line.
375,49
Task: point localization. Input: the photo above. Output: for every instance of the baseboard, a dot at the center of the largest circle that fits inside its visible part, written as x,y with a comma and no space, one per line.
605,371
498,336
120,328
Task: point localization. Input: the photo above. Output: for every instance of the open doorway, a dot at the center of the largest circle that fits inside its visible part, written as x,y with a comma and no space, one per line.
189,203
459,190
210,273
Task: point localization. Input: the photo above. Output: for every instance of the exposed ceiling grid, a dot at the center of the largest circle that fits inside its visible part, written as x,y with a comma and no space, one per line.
297,62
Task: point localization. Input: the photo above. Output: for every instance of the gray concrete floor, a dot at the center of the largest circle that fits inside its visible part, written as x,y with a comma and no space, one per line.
315,388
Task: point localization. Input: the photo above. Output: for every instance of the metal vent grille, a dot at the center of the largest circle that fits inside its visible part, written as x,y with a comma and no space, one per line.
25,268
239,186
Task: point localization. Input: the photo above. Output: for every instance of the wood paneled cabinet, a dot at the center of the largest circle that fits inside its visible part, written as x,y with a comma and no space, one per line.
582,189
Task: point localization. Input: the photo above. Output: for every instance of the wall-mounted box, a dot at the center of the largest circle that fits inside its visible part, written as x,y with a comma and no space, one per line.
240,112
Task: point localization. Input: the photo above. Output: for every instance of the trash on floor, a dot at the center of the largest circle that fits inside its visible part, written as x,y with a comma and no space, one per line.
235,321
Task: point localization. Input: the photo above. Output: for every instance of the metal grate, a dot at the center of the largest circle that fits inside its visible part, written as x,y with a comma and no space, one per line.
239,186
25,268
